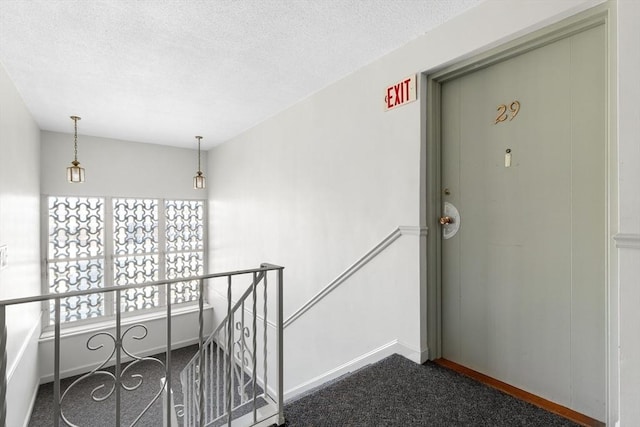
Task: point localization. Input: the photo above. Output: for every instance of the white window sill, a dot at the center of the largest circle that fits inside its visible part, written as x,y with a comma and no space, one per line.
48,334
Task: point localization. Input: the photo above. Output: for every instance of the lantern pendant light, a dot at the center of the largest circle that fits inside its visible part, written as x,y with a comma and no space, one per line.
75,173
199,182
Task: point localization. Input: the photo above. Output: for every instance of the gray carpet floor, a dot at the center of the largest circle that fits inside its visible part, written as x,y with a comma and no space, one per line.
399,392
392,392
81,410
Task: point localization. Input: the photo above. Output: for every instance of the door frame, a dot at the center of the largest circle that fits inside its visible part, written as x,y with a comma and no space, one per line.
430,173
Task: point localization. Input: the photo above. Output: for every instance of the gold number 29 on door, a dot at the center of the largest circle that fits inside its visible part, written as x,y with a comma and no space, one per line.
503,112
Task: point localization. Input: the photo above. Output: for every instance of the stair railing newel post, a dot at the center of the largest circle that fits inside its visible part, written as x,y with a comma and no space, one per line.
280,347
201,353
3,365
118,344
219,396
167,382
255,344
264,337
210,391
229,377
56,364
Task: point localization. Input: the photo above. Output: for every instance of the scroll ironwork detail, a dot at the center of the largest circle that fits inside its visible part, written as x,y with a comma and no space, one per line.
103,391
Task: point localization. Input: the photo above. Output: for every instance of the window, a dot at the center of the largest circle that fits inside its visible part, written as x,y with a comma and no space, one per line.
146,240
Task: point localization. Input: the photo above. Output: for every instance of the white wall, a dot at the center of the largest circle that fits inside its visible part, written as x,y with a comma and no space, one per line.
19,230
118,168
313,189
629,214
319,184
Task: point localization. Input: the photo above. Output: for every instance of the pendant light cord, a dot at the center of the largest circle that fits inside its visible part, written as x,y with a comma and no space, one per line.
75,139
199,138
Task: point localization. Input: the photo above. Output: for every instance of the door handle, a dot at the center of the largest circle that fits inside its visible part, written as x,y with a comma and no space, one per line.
446,220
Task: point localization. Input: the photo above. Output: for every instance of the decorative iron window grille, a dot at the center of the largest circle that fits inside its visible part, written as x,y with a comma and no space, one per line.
146,240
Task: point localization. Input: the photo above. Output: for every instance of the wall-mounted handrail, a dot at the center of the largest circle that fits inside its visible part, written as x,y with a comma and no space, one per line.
353,268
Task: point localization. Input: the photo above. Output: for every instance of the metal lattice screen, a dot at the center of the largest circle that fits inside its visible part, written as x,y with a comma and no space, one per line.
76,254
184,246
146,239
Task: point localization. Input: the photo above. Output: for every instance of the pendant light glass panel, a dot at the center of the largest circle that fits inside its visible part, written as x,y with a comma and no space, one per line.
75,173
199,182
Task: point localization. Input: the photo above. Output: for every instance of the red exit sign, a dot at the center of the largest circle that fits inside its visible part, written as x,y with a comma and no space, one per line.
401,93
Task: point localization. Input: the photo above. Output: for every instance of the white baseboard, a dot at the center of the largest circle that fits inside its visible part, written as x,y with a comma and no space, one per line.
424,356
361,361
32,404
31,339
23,348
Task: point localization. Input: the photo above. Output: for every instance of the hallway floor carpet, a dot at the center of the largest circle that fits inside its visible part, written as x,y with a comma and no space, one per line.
399,392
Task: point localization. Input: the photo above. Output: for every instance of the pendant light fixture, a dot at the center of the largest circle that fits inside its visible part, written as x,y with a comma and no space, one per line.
75,173
199,182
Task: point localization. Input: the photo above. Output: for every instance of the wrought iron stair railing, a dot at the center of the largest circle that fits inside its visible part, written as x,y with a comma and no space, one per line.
228,381
119,380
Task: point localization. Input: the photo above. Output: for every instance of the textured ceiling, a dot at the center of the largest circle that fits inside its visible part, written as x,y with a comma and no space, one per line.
162,71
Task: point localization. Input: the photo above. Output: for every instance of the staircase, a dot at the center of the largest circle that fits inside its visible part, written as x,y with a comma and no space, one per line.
236,377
